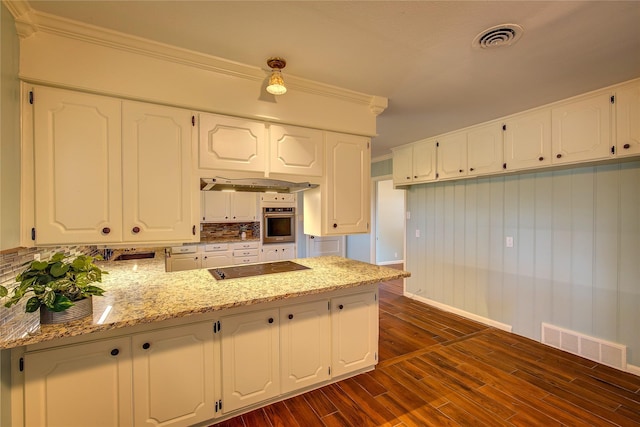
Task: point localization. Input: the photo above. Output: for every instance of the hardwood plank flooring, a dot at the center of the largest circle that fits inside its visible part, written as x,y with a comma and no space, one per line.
440,369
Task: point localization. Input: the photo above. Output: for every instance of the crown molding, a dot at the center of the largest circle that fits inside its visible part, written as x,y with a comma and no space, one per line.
30,21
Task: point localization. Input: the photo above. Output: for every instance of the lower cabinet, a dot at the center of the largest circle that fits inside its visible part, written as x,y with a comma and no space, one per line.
277,252
190,374
164,377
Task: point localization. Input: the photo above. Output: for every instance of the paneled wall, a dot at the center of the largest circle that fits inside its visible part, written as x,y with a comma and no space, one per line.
575,260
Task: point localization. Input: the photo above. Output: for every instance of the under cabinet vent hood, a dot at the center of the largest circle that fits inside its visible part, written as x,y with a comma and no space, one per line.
257,185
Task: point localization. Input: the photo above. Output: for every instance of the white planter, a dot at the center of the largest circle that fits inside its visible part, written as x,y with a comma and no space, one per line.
80,309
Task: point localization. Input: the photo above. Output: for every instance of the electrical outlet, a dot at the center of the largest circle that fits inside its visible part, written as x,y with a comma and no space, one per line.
408,215
36,257
417,233
509,241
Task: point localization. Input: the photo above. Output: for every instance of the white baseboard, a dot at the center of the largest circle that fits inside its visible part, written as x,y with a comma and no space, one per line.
397,261
632,369
454,310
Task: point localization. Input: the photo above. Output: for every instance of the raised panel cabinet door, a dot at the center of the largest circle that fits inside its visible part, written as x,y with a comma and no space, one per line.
250,349
485,149
99,373
527,140
424,161
156,159
216,206
296,150
77,150
185,263
244,206
628,120
403,165
354,326
270,253
452,156
305,342
231,143
173,376
348,184
217,259
581,130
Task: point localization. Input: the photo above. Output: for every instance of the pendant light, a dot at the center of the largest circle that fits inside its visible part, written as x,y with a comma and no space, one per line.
276,82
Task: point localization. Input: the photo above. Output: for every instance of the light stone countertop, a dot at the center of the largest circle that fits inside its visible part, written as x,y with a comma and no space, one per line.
140,291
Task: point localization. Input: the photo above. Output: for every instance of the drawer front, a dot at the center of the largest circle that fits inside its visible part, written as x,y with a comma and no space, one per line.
245,259
245,245
214,247
245,252
189,249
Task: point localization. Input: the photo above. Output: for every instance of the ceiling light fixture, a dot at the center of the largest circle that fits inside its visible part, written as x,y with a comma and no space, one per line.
276,83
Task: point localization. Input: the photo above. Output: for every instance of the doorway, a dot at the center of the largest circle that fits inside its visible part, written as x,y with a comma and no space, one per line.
389,223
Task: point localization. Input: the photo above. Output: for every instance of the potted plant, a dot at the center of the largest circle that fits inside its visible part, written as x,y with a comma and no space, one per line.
62,289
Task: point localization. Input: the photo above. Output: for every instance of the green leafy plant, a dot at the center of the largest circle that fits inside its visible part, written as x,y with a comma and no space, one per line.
56,283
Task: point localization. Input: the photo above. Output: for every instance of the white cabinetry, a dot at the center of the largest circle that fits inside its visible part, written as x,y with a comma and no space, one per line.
628,120
245,252
485,149
217,255
164,361
222,206
98,371
231,143
415,163
452,155
581,129
278,252
527,140
250,358
305,343
296,150
102,179
351,349
341,205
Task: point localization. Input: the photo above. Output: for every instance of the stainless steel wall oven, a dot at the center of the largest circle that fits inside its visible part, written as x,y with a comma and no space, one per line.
279,225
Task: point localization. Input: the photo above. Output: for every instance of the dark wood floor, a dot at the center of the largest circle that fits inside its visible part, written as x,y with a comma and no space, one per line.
439,369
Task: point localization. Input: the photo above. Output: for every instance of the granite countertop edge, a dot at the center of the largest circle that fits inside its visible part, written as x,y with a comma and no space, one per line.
140,292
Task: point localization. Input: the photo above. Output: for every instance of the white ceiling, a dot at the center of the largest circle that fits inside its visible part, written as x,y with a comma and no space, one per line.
416,53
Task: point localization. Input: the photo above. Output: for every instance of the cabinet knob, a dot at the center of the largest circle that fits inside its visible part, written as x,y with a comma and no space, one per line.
558,156
203,218
312,237
504,166
541,158
341,306
335,225
135,230
290,316
106,230
115,352
471,169
461,170
270,319
626,146
415,177
146,346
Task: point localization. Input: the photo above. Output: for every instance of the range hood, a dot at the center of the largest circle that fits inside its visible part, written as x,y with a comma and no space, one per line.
257,185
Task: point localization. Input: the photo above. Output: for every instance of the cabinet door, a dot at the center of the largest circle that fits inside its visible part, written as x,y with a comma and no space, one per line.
98,372
581,130
485,149
527,140
348,184
217,259
628,120
296,150
169,360
304,345
354,325
244,206
250,358
216,206
157,190
452,156
271,252
185,263
403,165
424,161
77,149
231,143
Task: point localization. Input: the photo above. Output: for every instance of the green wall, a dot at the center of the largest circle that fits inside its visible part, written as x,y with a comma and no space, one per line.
575,262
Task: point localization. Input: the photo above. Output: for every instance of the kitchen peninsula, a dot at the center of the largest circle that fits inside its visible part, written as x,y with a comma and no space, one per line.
183,349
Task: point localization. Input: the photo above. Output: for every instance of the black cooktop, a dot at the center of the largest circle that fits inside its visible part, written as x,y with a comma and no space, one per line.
255,269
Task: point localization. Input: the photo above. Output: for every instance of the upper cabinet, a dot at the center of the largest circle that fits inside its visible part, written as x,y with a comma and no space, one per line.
222,206
415,163
102,179
231,143
628,120
581,129
296,150
527,140
341,204
452,155
485,149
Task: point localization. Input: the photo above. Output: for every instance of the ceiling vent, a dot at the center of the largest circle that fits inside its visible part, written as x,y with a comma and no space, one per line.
498,36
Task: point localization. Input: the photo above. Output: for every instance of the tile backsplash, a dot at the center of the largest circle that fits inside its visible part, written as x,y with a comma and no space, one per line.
214,231
12,263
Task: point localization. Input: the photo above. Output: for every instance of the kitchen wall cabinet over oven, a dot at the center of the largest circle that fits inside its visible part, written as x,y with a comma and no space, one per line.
222,206
341,204
108,171
296,150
